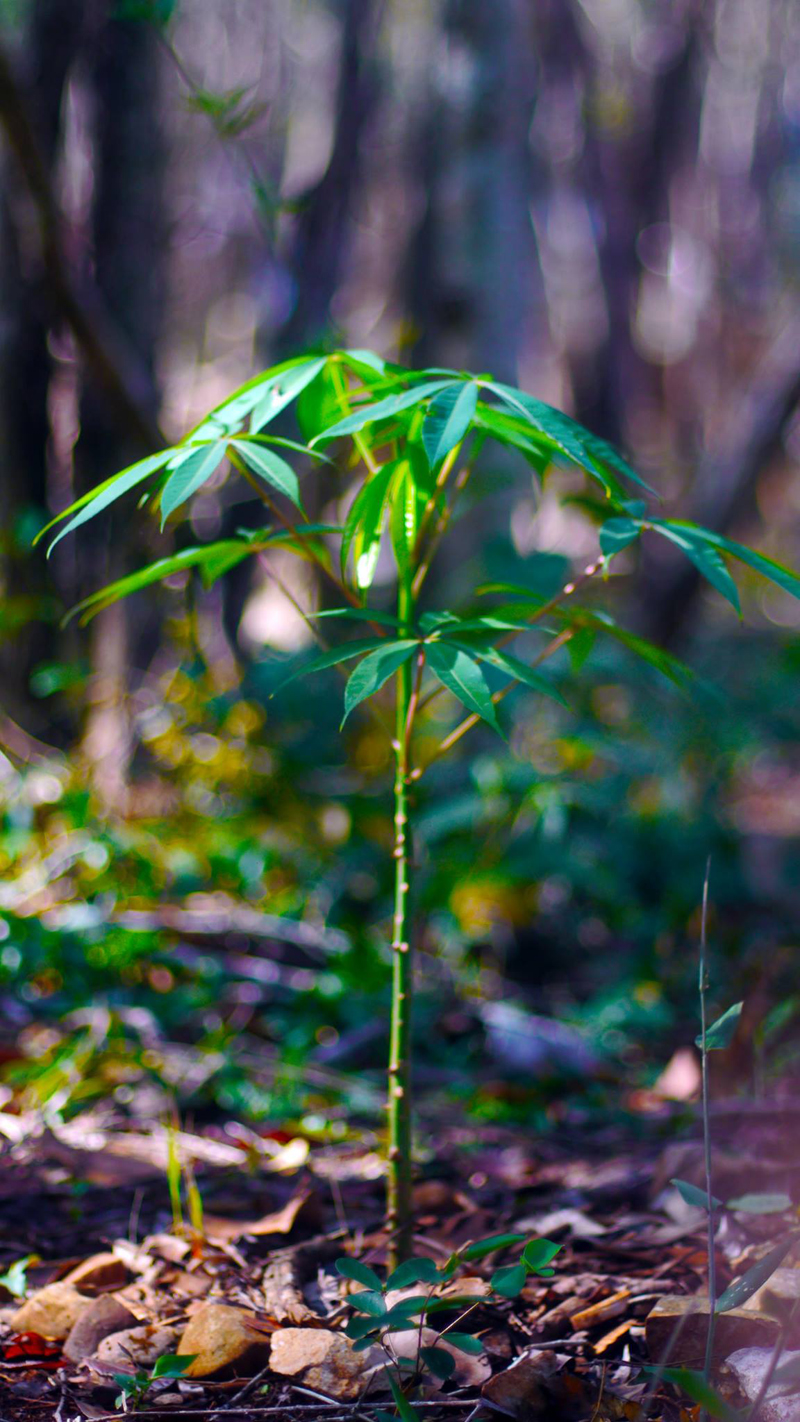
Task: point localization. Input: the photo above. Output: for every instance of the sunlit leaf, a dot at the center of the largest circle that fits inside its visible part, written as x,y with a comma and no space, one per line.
281,390
448,420
520,671
213,559
189,473
269,466
366,517
380,410
99,498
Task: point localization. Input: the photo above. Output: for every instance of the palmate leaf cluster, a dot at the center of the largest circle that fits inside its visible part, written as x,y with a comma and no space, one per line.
406,430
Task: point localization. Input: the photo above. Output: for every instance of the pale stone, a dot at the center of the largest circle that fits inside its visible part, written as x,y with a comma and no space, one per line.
222,1337
52,1311
135,1348
749,1366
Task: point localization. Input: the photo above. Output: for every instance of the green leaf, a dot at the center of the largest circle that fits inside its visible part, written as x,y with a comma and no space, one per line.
768,568
515,433
616,534
722,1032
760,1204
438,1361
269,466
358,1328
694,1196
448,420
744,1287
358,614
606,454
453,1303
332,658
381,410
407,1412
15,1277
465,1343
706,559
376,669
172,1365
213,559
360,358
509,1281
408,1307
520,671
403,520
460,673
538,1253
104,494
482,1247
188,474
370,1301
281,389
413,1271
662,661
366,518
360,1273
700,1391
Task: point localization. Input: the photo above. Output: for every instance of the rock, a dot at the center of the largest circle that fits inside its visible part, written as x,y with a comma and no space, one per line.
133,1348
749,1366
100,1271
52,1311
225,1338
326,1361
677,1328
784,1285
296,1348
104,1315
471,1370
525,1389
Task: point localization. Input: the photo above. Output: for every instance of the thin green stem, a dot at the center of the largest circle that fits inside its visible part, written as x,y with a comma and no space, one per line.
399,1090
712,1257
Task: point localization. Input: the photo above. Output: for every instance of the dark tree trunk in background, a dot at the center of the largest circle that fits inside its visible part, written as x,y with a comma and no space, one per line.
26,320
320,241
472,276
127,235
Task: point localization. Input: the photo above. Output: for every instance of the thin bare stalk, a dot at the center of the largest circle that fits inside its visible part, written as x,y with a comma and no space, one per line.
399,1219
712,1257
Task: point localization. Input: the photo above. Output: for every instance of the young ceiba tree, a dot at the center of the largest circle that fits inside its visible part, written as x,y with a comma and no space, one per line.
412,438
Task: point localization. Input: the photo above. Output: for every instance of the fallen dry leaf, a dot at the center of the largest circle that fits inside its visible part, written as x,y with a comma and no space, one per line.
100,1271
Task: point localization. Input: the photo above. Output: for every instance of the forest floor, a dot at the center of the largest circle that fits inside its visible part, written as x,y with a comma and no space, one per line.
249,1287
